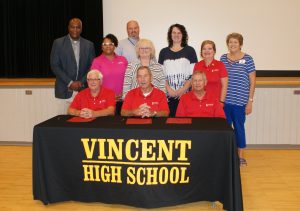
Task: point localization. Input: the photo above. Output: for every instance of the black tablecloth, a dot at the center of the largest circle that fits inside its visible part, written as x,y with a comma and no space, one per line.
149,165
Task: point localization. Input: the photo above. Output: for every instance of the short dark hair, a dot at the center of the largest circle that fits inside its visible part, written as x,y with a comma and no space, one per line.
182,30
112,38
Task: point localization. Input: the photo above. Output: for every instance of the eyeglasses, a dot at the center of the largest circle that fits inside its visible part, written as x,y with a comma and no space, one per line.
93,79
145,48
108,44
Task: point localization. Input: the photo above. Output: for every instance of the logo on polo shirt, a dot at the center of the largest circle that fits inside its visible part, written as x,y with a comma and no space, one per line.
215,70
209,104
155,103
102,101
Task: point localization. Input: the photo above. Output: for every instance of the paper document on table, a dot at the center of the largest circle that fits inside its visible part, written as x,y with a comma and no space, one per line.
138,121
80,119
179,121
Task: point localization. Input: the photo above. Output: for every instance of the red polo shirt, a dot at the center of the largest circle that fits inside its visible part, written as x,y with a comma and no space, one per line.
157,100
190,106
84,99
214,72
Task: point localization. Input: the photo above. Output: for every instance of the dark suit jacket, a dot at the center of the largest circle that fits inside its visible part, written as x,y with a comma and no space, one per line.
63,64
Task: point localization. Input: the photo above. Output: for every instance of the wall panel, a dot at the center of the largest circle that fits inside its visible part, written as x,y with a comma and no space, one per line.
275,118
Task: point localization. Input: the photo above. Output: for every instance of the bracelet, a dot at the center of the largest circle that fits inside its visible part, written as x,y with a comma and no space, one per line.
221,101
250,99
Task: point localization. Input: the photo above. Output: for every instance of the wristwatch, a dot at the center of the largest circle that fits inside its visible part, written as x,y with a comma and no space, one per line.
250,99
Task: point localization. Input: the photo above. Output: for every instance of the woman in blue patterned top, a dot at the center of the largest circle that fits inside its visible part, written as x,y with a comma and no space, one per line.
240,91
178,60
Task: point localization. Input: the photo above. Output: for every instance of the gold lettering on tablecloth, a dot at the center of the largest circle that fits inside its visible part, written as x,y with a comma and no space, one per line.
145,162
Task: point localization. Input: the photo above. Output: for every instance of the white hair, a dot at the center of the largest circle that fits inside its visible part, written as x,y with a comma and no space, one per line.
97,72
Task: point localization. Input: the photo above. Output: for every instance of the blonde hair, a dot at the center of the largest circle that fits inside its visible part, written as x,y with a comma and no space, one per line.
147,43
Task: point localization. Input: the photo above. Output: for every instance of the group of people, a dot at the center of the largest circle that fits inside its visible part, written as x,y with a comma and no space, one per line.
127,79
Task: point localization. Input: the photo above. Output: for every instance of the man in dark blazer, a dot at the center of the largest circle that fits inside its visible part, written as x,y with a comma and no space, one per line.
71,58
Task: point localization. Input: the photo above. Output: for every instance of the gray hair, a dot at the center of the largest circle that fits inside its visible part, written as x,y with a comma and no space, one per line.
97,72
143,67
199,72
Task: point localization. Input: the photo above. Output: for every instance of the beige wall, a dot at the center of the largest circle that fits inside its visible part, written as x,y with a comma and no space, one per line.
273,121
20,111
270,27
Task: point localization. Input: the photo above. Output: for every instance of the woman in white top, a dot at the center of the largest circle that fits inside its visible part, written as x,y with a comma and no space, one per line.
178,60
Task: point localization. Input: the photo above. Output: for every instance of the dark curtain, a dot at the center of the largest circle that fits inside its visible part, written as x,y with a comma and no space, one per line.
30,26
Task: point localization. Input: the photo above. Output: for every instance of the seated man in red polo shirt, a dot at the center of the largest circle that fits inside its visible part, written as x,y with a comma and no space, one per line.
94,101
145,100
198,102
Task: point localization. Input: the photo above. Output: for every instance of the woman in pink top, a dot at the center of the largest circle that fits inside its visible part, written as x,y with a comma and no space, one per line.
216,73
112,67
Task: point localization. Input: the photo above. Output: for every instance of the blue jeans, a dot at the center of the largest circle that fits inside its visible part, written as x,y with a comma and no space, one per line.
236,116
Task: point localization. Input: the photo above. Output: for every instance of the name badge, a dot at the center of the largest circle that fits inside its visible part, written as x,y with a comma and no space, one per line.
242,61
